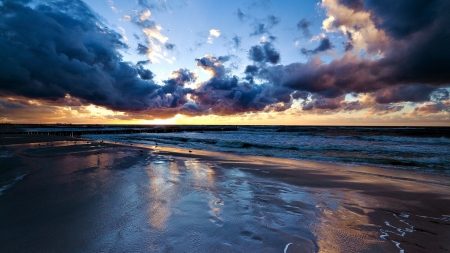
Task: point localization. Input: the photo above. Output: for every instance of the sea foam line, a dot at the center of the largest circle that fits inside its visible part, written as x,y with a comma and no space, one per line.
287,246
399,231
14,181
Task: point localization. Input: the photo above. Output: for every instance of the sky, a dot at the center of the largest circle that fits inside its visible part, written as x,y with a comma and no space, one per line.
328,62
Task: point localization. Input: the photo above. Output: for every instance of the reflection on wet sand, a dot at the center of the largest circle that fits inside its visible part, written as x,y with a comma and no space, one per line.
162,192
202,177
243,213
142,200
253,213
166,186
344,227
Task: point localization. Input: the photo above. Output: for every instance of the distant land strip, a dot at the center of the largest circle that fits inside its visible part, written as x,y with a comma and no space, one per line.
125,130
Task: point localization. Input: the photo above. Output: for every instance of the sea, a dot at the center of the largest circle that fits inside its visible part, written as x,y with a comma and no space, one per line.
425,149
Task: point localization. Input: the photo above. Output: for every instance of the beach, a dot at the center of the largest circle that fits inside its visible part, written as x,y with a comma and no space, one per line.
94,196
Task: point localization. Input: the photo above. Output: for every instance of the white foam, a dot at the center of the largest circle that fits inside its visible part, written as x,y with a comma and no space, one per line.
398,246
400,231
287,246
443,218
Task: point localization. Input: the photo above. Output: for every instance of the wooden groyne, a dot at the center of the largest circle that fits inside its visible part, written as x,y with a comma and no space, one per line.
63,132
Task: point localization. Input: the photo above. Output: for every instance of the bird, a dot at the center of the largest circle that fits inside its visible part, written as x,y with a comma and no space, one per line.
190,151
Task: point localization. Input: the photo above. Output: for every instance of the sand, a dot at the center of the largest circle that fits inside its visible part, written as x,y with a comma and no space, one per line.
95,197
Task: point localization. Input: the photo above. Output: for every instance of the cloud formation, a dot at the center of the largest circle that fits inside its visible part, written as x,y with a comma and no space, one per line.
261,27
324,45
241,16
61,52
264,53
359,24
431,107
156,44
56,49
213,33
303,26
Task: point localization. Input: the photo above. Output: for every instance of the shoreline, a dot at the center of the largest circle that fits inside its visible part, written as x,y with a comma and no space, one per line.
353,206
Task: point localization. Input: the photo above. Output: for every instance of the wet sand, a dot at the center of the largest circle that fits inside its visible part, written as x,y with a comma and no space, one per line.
84,197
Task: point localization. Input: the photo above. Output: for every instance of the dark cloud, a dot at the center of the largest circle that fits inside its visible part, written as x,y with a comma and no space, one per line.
349,35
264,26
52,50
300,95
9,104
143,62
236,41
324,45
141,49
440,94
170,46
251,69
241,16
303,26
353,106
213,64
403,18
356,5
259,29
228,96
145,74
173,93
271,38
350,74
424,60
384,109
410,93
147,23
323,103
181,77
434,107
272,21
348,46
264,53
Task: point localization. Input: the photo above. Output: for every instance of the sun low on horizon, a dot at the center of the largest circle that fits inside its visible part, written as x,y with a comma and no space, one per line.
261,62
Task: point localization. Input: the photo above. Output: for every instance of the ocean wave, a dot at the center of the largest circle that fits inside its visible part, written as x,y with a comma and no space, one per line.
10,183
383,138
339,146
